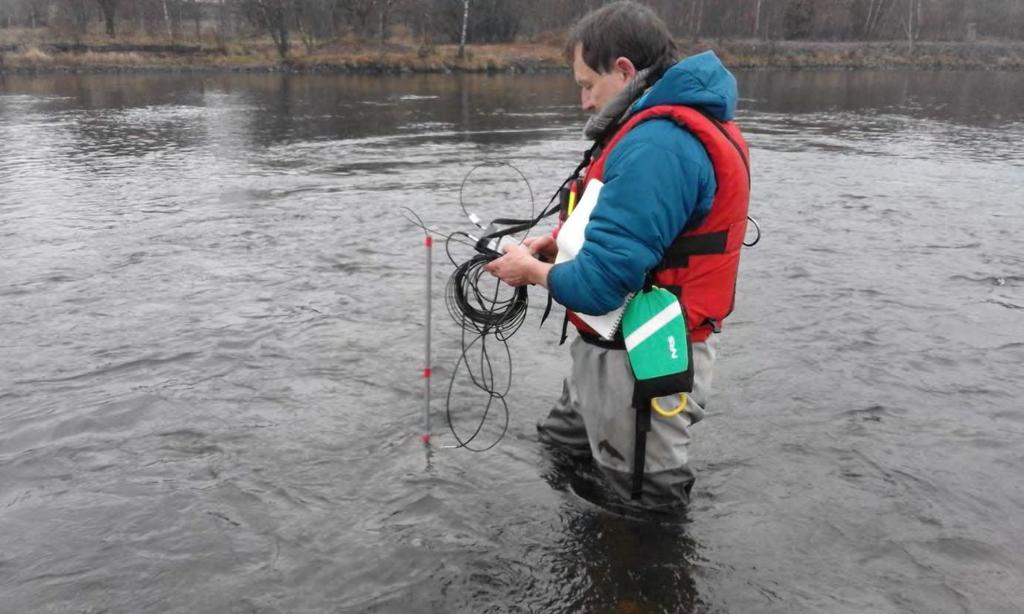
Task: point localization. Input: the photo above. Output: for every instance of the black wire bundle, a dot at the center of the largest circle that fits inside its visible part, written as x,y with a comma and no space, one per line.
481,311
486,313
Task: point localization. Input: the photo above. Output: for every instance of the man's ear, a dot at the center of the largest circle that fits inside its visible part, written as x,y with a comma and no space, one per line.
625,66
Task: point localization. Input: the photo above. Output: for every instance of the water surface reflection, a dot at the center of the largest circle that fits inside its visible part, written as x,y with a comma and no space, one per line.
210,350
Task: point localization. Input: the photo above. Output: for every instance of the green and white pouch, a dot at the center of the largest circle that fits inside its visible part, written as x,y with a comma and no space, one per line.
658,346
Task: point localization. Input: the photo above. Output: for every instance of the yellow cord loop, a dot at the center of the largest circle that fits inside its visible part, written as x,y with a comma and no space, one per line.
675,411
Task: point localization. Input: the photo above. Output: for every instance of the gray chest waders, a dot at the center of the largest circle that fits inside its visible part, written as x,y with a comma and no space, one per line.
654,330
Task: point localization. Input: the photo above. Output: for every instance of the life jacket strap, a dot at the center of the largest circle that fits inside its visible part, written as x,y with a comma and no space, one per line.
547,309
678,254
617,342
565,329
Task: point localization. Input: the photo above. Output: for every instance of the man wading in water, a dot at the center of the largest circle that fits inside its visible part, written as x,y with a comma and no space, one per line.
670,174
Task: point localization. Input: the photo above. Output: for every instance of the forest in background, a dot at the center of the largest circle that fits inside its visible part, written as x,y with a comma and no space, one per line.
429,31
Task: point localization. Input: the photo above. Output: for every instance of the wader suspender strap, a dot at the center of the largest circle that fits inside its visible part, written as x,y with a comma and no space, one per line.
643,425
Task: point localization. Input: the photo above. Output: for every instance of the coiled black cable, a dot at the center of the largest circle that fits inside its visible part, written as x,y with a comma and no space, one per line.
487,311
480,310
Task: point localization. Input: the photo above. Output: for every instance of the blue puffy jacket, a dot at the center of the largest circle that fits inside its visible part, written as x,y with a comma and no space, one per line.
658,181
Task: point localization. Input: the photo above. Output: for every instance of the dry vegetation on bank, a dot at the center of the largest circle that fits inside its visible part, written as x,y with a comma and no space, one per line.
27,51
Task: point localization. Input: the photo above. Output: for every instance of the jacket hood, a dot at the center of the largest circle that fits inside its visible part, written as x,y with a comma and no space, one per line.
698,81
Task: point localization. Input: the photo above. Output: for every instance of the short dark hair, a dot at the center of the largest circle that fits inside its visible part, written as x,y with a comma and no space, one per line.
622,29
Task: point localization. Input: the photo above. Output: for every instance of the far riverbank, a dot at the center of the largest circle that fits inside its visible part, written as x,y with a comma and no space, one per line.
102,55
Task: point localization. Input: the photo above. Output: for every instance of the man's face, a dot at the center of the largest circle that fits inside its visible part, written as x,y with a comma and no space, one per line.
596,89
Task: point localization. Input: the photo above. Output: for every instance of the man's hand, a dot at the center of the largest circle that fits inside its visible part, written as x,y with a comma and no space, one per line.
544,246
519,267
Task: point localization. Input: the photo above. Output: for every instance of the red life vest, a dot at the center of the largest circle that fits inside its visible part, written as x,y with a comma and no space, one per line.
700,266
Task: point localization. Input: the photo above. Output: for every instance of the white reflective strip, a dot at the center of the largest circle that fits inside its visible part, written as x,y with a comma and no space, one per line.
652,326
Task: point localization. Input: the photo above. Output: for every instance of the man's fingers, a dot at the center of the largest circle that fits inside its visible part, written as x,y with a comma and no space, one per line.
509,248
543,244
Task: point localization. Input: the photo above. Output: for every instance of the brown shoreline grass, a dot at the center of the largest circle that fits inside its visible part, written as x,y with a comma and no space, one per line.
33,51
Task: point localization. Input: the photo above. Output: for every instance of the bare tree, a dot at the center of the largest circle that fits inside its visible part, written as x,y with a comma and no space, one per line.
465,25
877,9
696,18
272,16
455,21
384,8
109,9
913,19
167,21
304,18
360,13
197,19
78,14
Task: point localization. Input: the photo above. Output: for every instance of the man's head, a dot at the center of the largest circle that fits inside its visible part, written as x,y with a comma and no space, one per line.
608,46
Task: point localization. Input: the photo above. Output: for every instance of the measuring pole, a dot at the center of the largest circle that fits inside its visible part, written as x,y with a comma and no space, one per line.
428,242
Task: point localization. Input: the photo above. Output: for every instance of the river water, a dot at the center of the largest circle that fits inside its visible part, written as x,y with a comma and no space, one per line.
211,344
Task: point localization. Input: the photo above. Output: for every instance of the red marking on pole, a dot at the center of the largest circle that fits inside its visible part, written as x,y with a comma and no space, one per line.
428,241
426,372
425,438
